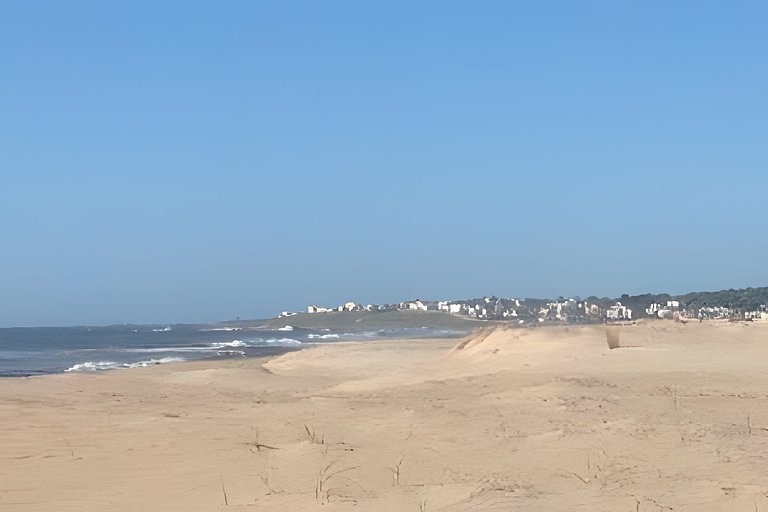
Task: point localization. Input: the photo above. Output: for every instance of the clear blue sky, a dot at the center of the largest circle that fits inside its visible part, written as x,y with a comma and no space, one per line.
190,161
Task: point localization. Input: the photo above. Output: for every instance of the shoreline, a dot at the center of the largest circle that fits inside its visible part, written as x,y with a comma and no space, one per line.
539,420
277,351
27,352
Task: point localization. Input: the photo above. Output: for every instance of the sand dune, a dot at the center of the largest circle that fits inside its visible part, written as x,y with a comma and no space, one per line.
506,419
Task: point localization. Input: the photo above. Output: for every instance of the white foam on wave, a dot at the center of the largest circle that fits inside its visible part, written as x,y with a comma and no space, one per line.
152,362
93,366
204,348
226,329
284,341
164,329
286,328
96,366
364,334
230,353
233,343
323,336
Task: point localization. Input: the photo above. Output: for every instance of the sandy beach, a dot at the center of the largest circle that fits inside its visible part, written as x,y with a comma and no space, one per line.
522,419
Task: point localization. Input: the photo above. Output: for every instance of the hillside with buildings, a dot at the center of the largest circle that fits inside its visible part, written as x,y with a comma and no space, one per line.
746,304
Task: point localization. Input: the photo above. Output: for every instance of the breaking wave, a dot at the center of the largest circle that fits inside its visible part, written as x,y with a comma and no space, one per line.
323,336
212,347
95,366
233,343
91,366
284,341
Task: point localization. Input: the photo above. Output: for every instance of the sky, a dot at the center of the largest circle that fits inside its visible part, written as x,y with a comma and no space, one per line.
200,161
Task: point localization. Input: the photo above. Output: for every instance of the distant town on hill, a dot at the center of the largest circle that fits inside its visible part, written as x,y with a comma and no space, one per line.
743,304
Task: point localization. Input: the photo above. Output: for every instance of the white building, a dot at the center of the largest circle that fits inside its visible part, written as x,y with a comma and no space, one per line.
416,305
317,309
447,307
653,309
618,312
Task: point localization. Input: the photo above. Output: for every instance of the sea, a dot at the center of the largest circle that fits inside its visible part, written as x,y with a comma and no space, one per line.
29,351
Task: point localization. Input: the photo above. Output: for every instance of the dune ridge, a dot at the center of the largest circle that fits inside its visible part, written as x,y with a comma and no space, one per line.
506,419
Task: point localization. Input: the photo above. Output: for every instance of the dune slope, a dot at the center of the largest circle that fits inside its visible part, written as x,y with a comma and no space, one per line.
505,419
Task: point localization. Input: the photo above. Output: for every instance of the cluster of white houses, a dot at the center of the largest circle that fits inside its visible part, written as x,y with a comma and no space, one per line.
351,306
562,310
492,308
668,311
487,308
672,310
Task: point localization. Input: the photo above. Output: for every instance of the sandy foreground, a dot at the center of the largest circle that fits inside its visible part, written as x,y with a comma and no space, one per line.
526,419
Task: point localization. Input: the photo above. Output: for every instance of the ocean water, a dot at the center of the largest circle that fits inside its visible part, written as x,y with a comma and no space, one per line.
36,351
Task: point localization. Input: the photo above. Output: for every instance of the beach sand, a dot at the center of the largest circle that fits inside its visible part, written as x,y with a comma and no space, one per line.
544,419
